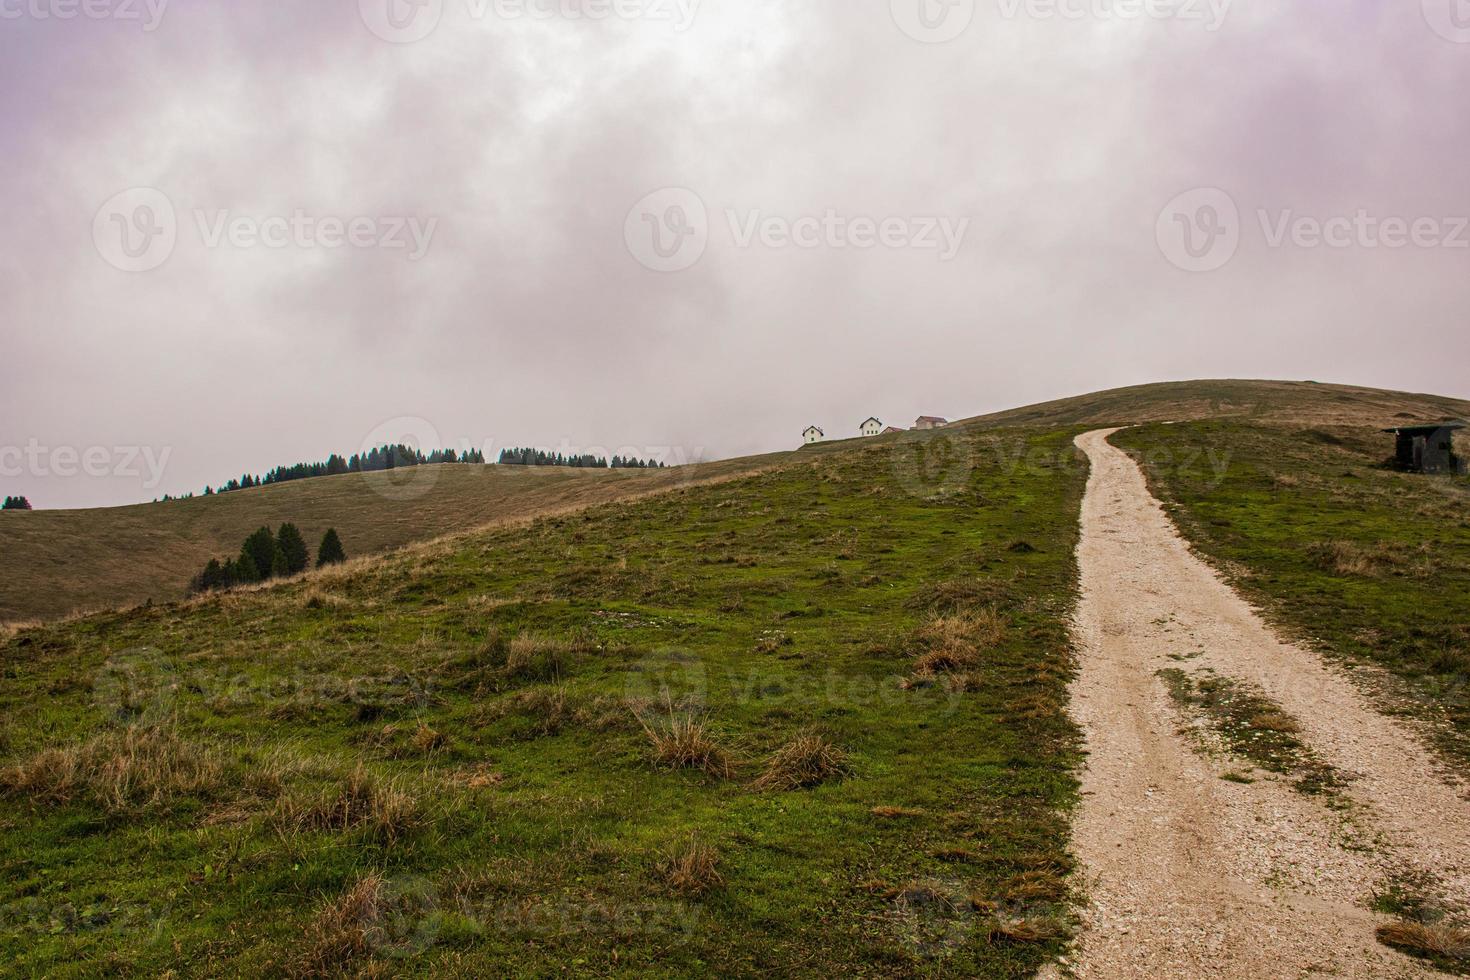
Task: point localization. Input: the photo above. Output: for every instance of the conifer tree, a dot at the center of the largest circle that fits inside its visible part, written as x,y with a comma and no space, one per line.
280,566
261,547
246,570
330,552
298,558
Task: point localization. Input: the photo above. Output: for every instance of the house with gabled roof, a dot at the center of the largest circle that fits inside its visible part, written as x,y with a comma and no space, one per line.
871,427
813,434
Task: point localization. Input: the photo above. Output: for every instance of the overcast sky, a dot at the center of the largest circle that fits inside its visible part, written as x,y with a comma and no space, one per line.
243,234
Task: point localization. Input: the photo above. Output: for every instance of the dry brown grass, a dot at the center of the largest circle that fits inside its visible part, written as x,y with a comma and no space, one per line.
56,562
120,771
428,740
1350,558
690,867
551,710
807,760
956,642
343,931
318,598
361,801
534,657
1440,939
1274,721
1041,885
683,742
1024,930
895,812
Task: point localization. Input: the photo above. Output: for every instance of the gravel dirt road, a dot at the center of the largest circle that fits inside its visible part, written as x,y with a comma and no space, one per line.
1193,875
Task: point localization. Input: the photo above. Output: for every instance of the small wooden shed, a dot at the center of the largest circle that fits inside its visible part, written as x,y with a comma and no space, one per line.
1428,448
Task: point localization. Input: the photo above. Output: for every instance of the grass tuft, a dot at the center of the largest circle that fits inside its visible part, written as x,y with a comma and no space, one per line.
1024,930
361,801
690,867
343,931
1438,940
953,643
535,657
121,771
683,742
894,812
807,760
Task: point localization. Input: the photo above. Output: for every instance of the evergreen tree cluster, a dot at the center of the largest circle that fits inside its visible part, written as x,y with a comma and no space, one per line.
540,457
266,555
16,503
381,458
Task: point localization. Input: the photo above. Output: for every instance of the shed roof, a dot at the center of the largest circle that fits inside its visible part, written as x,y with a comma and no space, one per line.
1425,430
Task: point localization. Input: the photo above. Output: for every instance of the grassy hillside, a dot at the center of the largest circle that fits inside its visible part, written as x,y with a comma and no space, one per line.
53,563
56,562
1288,402
1367,563
807,721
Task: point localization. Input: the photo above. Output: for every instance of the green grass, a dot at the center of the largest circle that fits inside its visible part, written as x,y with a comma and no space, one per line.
1253,727
57,562
437,762
1369,564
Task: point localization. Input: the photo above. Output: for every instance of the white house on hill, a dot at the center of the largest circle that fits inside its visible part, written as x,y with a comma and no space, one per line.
813,434
871,427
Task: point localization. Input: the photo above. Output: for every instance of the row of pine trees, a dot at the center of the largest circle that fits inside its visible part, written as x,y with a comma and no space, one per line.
16,503
375,460
540,457
266,555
